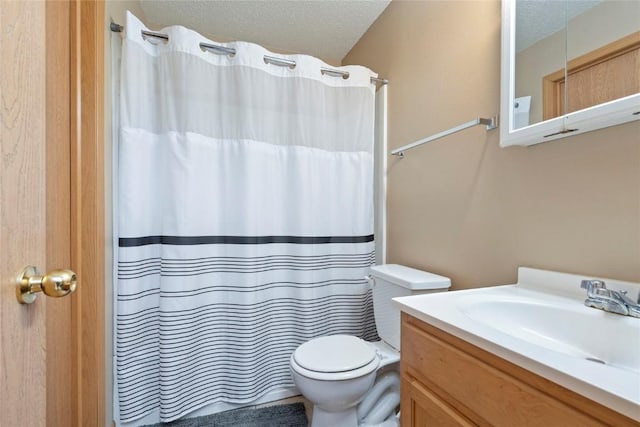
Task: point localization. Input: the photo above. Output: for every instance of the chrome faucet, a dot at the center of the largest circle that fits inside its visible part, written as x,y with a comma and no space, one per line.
598,296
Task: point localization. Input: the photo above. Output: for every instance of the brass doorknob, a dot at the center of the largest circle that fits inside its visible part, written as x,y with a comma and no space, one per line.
56,283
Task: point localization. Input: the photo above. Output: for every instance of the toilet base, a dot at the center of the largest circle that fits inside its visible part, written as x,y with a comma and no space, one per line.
322,418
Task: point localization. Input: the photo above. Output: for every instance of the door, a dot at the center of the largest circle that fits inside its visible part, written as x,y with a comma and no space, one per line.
51,354
602,75
34,213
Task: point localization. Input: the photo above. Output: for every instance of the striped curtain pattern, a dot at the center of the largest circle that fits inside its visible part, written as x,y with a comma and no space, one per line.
244,219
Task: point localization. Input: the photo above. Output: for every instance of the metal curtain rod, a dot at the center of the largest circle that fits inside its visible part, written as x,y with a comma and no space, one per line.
491,123
223,50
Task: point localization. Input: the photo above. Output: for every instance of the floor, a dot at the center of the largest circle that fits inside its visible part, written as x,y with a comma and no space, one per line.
308,407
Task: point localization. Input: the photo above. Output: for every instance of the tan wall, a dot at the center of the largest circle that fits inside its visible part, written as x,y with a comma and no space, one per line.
462,206
532,64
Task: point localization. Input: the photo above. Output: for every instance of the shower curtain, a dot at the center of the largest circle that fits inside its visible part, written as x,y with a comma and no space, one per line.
244,218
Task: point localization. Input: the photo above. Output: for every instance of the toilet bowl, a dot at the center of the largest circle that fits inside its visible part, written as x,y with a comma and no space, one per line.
336,372
335,381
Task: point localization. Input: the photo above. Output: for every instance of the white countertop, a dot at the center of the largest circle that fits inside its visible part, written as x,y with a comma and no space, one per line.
542,325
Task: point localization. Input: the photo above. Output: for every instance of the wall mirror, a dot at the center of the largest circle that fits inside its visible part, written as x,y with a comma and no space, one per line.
568,67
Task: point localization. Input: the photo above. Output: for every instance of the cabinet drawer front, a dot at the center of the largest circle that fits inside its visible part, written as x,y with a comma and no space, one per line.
482,392
422,407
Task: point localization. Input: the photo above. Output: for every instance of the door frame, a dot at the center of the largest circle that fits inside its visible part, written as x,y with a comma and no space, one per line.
86,35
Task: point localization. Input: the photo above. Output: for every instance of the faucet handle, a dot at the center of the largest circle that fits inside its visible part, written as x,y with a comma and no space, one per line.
622,295
593,284
593,287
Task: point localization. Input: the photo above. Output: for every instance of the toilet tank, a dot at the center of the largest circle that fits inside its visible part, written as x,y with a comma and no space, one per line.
391,281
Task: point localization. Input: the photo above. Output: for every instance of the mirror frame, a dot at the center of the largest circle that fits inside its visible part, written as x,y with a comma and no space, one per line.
599,116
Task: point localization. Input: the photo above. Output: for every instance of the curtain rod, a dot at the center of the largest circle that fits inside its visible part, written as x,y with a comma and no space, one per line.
223,50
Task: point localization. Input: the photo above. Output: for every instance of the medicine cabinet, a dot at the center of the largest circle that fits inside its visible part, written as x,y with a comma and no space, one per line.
568,67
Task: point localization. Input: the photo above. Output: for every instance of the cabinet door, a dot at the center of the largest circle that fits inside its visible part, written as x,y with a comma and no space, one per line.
420,407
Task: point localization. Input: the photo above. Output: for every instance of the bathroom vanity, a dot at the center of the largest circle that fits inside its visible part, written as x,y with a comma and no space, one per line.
449,382
475,358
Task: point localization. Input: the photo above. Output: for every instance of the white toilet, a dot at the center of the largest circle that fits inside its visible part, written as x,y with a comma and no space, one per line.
336,372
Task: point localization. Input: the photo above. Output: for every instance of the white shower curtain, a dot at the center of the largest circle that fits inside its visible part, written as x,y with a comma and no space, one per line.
245,219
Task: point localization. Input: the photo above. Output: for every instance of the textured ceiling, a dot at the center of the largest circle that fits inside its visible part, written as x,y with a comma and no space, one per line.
537,19
324,28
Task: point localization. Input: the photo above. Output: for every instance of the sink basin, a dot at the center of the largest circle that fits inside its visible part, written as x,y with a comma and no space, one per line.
571,329
542,325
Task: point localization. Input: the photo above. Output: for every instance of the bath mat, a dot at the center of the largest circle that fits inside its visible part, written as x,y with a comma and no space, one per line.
290,415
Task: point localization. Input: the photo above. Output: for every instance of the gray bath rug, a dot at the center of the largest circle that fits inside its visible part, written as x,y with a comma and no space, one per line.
290,415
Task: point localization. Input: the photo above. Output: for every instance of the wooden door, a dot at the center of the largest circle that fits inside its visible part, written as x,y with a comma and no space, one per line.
51,210
602,75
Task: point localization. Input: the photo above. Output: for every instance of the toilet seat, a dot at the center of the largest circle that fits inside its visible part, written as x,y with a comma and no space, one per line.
335,357
334,353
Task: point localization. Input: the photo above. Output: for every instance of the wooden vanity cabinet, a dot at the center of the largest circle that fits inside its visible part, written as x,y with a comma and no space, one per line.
446,381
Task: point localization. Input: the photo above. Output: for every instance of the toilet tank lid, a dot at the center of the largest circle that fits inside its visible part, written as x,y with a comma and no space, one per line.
410,278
